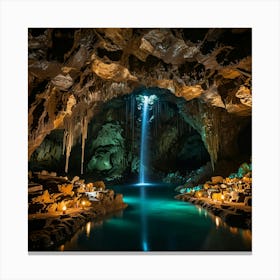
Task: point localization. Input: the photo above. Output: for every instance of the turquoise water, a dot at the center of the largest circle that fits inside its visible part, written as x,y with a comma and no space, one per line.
155,221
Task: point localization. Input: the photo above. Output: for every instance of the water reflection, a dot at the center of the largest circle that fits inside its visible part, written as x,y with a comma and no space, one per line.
144,219
88,227
61,248
217,221
233,230
247,235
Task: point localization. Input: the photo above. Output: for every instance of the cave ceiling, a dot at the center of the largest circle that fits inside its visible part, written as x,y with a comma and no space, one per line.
72,72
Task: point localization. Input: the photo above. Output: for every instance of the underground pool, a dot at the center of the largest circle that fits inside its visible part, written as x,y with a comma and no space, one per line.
155,221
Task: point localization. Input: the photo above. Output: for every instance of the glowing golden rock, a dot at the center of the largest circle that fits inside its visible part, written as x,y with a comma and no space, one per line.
44,198
217,196
198,194
112,71
66,189
189,92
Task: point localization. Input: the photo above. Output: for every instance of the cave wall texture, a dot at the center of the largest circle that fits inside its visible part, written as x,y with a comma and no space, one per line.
74,73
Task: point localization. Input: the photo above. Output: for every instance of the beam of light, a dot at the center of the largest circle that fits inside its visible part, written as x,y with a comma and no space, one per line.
143,147
145,246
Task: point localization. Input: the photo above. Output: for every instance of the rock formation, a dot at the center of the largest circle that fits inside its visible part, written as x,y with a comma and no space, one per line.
74,73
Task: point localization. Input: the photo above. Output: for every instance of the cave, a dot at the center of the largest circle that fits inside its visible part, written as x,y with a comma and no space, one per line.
144,127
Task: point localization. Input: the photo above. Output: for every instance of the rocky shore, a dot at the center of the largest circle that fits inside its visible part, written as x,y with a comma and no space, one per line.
229,198
58,208
233,214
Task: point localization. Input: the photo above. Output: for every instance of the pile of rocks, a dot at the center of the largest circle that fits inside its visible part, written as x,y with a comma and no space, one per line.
230,197
228,189
58,207
235,188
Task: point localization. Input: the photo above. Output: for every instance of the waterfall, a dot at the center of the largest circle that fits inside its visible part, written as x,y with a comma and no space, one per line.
143,147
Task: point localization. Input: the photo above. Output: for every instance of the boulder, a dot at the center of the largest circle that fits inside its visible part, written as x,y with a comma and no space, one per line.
217,179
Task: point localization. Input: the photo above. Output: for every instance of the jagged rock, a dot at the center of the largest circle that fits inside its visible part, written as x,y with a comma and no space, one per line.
190,92
211,96
44,198
162,44
66,189
245,96
113,71
61,205
62,82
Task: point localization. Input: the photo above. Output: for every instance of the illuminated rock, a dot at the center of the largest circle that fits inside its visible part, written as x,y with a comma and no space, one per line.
66,189
113,71
217,179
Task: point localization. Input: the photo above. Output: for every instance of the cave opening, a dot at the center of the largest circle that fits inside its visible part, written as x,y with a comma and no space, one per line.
112,149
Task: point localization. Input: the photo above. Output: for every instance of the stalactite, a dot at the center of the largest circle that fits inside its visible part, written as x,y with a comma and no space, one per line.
64,141
84,129
210,133
68,141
